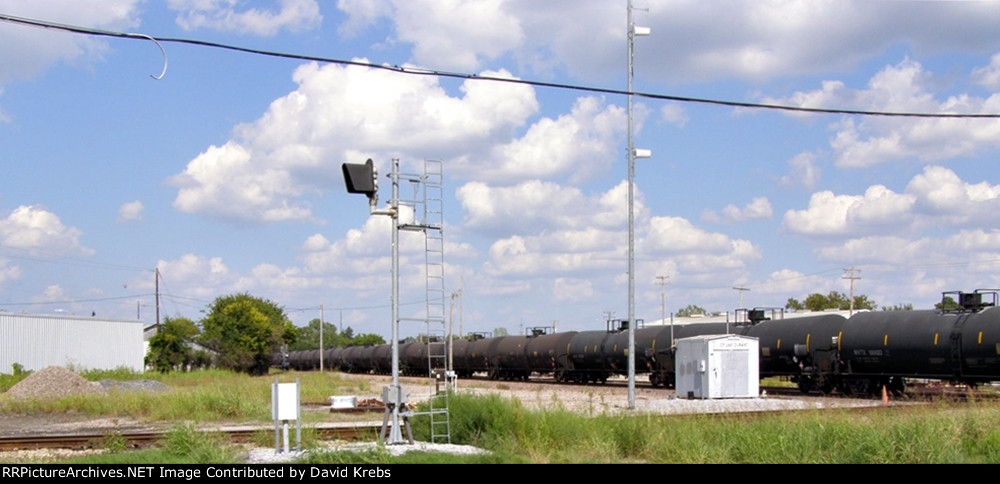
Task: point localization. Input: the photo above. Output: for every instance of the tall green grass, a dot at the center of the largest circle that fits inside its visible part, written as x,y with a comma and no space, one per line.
938,433
199,396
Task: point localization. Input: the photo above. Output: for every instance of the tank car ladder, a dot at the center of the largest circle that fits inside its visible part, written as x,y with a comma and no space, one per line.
431,225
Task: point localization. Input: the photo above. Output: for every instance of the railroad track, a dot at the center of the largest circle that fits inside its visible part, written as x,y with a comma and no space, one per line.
137,440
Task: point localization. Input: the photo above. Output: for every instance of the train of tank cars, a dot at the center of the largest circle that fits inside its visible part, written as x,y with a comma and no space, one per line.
865,353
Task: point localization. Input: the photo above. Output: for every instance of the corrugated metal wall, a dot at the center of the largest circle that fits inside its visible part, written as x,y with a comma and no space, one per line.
36,342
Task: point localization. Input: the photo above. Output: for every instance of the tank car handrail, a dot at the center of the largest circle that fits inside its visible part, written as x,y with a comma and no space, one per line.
969,301
994,292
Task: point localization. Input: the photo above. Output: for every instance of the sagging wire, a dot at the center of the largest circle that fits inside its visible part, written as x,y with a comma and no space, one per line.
437,73
164,52
89,31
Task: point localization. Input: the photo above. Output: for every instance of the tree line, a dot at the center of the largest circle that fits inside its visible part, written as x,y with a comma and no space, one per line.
240,332
832,300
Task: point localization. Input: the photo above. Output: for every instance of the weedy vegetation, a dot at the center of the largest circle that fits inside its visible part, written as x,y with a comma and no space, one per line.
937,432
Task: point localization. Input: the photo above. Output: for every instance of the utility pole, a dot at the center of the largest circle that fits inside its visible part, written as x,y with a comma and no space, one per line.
663,305
321,338
451,327
157,284
852,277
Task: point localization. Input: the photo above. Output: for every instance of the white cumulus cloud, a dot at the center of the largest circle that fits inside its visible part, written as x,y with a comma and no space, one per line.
37,48
224,15
904,87
130,211
582,144
486,28
271,166
531,205
758,208
935,198
39,231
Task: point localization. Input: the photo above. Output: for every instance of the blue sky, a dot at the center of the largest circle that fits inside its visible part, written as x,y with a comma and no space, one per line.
225,174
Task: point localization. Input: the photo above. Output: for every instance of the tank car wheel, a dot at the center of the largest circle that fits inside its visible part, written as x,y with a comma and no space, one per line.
827,387
875,387
846,388
897,386
806,384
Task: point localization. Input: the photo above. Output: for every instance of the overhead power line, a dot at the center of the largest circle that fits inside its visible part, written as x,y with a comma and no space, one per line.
74,301
466,76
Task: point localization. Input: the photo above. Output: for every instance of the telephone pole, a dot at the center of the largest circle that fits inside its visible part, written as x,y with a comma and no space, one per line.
157,284
321,338
850,275
663,305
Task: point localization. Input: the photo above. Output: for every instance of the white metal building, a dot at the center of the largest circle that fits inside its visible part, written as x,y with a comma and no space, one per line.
717,366
38,341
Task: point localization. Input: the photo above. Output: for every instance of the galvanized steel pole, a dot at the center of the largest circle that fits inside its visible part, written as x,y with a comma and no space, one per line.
631,223
395,434
632,32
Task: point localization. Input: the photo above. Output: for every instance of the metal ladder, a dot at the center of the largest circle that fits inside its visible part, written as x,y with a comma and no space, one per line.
431,212
437,345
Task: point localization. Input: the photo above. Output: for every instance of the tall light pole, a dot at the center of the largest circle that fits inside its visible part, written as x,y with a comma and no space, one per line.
632,154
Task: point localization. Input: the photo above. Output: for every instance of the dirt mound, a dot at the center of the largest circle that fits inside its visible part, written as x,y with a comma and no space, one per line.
52,382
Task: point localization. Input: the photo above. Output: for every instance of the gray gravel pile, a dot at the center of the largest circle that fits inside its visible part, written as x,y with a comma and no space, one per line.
52,382
57,382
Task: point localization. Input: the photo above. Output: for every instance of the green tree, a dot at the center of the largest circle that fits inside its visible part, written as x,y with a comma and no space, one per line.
837,300
817,302
170,348
245,331
948,303
794,304
690,310
497,332
862,302
898,307
366,339
307,337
